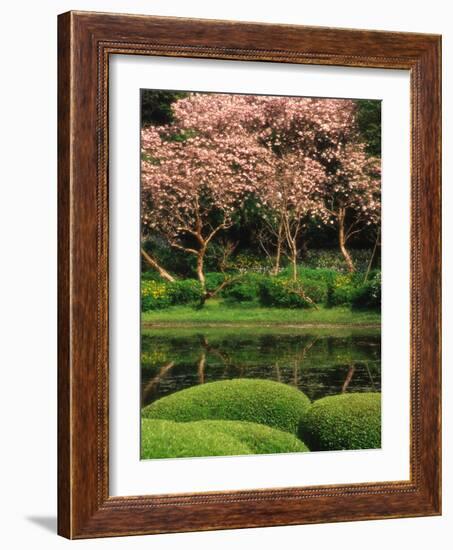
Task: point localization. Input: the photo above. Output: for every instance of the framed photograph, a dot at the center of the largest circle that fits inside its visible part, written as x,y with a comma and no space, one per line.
249,275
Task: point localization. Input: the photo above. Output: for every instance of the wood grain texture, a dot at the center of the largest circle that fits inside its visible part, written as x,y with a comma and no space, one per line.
85,42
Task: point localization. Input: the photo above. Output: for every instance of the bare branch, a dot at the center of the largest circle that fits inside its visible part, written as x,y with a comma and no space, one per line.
185,248
214,232
155,265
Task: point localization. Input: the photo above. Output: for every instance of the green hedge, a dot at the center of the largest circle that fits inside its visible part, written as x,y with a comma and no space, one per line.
368,296
323,286
350,289
163,294
279,292
346,421
154,295
214,280
262,401
244,289
168,439
342,288
184,291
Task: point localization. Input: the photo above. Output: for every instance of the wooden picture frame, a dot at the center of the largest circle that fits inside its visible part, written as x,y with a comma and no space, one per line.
85,41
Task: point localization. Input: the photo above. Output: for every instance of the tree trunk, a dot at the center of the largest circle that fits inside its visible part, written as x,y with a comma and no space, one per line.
278,253
370,263
200,269
342,241
294,264
162,272
291,241
201,277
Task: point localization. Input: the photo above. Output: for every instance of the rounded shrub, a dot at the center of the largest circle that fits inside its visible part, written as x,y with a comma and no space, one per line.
259,438
244,289
168,439
340,422
154,295
261,401
157,294
150,275
315,289
214,280
279,292
342,289
368,296
185,291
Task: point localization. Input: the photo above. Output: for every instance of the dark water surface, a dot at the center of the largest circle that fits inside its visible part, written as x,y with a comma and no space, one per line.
319,362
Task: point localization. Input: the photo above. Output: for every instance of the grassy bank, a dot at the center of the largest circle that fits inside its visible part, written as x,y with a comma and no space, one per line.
218,312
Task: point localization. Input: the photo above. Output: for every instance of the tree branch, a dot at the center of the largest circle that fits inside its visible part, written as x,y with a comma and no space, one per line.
214,232
186,249
153,263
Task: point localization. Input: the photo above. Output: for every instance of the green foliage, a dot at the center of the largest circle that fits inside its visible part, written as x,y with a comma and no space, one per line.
214,280
323,286
351,290
333,259
261,401
368,296
158,294
316,282
242,261
261,439
247,261
168,439
173,260
154,295
184,291
369,124
241,292
156,106
342,289
315,289
245,289
283,292
151,275
346,421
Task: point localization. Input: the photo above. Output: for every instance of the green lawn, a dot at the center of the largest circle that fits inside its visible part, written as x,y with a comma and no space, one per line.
216,312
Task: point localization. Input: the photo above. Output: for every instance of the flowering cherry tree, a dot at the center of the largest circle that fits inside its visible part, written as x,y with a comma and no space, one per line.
299,157
192,188
292,196
352,199
317,169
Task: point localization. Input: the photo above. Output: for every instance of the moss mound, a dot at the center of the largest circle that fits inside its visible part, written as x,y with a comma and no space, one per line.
340,422
261,401
168,439
259,438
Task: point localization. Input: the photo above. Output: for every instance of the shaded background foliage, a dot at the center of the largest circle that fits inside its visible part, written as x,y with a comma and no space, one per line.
156,106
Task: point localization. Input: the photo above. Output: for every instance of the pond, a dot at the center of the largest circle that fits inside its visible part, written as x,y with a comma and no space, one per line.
319,362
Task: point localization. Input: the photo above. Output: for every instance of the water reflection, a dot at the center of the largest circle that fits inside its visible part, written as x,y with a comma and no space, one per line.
318,362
